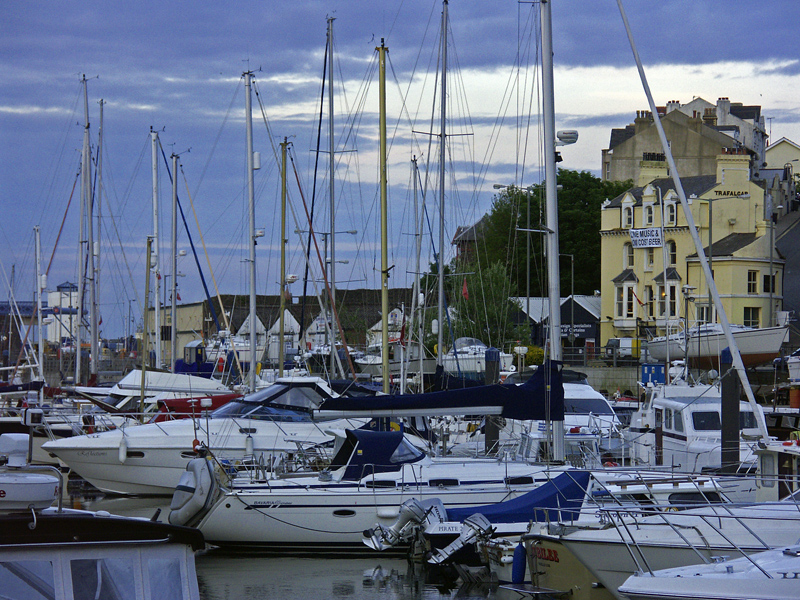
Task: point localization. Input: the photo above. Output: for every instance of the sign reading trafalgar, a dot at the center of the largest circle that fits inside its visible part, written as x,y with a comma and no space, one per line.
646,238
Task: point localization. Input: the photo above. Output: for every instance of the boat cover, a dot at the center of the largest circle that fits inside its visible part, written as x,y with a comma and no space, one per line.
558,499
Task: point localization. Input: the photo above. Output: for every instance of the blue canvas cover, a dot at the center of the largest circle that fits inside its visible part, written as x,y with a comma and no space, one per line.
523,402
558,499
367,452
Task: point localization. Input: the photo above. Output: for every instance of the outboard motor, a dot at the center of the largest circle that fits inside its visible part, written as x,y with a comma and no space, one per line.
474,527
412,512
195,493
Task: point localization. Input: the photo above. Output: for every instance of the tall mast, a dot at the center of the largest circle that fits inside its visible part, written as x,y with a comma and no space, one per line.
331,156
551,206
85,203
419,211
384,226
39,288
155,259
95,247
442,150
252,212
173,313
281,323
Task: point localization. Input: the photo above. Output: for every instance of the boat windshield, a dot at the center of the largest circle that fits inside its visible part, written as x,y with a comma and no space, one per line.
301,398
710,420
466,342
584,406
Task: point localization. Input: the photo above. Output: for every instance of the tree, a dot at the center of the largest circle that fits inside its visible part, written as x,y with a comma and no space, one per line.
579,204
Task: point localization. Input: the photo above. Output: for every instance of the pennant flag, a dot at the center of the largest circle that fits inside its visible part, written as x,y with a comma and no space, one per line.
464,291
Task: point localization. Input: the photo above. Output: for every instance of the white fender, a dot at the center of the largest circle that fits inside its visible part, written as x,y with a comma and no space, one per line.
123,450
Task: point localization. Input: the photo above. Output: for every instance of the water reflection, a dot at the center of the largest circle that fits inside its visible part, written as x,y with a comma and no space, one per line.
229,577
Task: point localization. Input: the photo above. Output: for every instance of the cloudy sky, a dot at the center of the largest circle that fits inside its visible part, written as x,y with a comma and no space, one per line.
176,66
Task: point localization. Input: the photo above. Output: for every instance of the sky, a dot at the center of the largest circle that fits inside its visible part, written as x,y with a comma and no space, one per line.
176,67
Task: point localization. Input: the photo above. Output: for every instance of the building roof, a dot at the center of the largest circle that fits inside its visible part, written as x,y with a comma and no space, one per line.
540,306
729,244
626,275
672,275
692,186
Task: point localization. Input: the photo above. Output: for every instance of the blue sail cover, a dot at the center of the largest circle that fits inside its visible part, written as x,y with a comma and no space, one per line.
524,402
558,499
366,452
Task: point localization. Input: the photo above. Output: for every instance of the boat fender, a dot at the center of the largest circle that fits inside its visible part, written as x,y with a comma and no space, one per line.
123,450
518,565
195,493
196,445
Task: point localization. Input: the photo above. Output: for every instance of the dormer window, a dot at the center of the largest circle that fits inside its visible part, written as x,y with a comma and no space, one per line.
670,208
627,217
648,215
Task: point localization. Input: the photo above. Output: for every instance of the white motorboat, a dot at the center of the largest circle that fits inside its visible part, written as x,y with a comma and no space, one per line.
467,358
768,575
793,365
703,344
267,426
371,361
625,542
50,552
370,476
679,425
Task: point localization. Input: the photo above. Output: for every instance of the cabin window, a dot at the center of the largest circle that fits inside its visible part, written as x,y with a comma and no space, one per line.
752,316
26,578
706,421
694,498
443,482
380,484
165,578
747,420
752,282
668,418
405,452
679,421
101,577
523,480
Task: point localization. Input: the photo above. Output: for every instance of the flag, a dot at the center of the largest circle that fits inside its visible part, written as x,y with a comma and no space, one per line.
464,291
178,296
637,297
403,332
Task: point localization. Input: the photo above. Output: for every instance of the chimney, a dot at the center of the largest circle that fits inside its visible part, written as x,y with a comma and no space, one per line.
710,116
723,108
673,105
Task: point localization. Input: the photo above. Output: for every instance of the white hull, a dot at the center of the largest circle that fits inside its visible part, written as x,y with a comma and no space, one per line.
306,514
156,455
610,559
756,346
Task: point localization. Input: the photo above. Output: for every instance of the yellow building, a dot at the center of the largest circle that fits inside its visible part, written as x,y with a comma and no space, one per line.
636,298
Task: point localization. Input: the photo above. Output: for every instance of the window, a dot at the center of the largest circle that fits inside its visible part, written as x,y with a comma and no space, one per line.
752,282
670,214
650,260
629,304
678,421
672,253
704,313
628,217
769,284
625,302
706,421
752,316
673,300
648,215
668,418
662,297
627,253
649,300
620,296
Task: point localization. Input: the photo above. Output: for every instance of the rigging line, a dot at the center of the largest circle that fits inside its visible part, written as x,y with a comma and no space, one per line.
217,138
325,275
197,260
274,518
314,185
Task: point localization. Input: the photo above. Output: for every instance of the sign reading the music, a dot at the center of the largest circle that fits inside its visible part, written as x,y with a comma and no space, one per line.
646,238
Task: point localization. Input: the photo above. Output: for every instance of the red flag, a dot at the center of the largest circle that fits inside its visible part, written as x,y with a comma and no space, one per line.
403,332
637,298
178,296
464,291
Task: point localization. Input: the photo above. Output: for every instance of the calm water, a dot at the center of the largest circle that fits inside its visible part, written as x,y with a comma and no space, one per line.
222,577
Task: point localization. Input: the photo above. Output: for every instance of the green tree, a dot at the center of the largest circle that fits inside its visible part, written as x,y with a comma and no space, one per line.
579,204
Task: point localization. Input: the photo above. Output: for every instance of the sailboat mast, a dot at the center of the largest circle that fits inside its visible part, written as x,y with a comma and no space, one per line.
96,319
551,206
173,313
281,317
86,182
442,150
331,156
155,260
252,212
39,288
384,224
